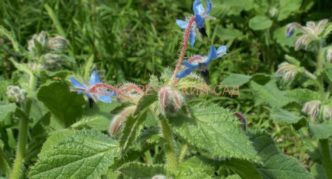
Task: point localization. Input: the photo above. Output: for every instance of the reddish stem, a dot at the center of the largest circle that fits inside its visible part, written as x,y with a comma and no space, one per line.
183,48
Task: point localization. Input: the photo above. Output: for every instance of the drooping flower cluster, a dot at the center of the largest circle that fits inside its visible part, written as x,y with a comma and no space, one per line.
48,52
310,32
200,15
170,99
16,94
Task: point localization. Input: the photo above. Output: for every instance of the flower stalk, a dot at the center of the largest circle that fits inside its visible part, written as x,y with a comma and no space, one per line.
325,156
183,49
16,172
171,158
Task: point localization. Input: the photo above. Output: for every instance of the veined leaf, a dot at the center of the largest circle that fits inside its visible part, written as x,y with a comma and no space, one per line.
302,95
321,131
287,8
85,154
195,168
141,171
283,116
235,80
243,168
270,94
216,131
275,163
260,23
5,110
131,130
65,105
145,102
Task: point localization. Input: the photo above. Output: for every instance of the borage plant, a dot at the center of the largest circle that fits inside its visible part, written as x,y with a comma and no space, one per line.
156,132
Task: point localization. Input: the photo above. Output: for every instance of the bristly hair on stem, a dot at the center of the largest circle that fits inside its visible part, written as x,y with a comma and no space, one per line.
183,49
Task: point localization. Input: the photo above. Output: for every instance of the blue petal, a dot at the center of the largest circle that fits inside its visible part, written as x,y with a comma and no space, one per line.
187,64
209,7
212,55
199,21
77,84
94,78
105,99
181,23
196,4
185,72
222,50
192,37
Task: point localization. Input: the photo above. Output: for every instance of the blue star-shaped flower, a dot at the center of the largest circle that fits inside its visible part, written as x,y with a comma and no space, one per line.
105,97
200,14
201,62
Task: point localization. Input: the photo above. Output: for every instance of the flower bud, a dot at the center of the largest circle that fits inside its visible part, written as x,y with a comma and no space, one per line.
52,61
119,119
16,94
57,43
312,108
170,100
40,38
287,71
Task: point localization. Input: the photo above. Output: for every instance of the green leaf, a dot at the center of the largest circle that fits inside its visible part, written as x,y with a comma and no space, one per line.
283,116
195,168
302,95
85,154
233,7
287,8
98,122
243,168
5,110
235,80
260,23
322,130
318,171
145,101
216,131
269,94
141,171
275,163
328,73
131,130
282,39
228,33
65,105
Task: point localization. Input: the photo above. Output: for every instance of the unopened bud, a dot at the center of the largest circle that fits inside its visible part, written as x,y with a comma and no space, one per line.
170,100
16,94
287,71
312,108
40,38
52,61
57,43
119,119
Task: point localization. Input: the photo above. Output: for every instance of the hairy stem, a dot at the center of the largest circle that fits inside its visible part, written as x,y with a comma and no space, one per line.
325,156
171,158
183,152
21,148
183,48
